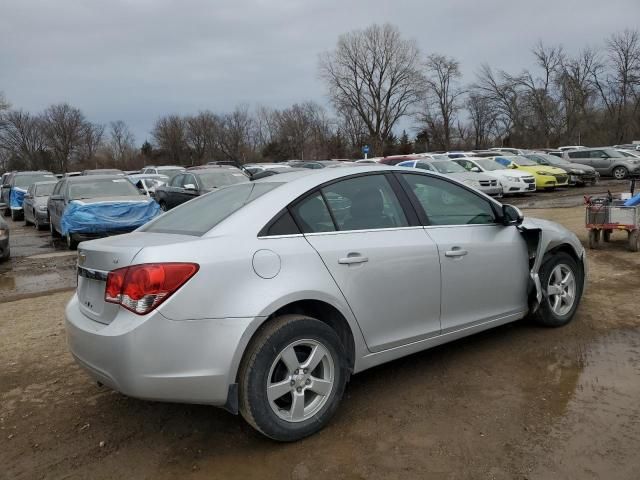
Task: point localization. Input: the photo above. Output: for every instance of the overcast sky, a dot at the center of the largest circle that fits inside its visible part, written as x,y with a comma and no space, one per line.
136,60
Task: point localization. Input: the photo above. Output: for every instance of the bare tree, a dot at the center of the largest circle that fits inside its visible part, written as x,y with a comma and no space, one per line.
22,136
202,132
169,134
443,96
482,117
235,138
121,144
374,73
65,128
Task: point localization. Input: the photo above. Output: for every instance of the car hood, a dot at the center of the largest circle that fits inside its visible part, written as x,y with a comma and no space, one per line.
543,168
510,173
462,176
126,198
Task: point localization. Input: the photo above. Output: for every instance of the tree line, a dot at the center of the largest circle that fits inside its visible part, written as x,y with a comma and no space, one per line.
376,80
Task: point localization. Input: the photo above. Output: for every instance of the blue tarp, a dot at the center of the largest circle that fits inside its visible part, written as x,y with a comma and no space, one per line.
104,217
16,198
633,201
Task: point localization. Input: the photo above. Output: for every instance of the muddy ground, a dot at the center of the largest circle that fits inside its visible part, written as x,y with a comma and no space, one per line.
515,402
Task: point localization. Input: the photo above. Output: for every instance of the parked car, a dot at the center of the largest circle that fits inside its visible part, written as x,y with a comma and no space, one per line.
579,174
5,249
629,153
508,151
193,183
168,170
628,146
571,147
16,187
316,164
253,168
163,313
4,180
607,161
34,206
512,181
94,206
103,171
148,182
485,183
547,178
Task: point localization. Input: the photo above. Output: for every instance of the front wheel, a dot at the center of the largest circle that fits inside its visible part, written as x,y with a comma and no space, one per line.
594,238
163,206
72,243
52,229
292,378
562,282
16,215
634,241
620,173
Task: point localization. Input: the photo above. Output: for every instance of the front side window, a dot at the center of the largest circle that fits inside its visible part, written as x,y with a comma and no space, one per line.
446,203
176,181
364,203
189,180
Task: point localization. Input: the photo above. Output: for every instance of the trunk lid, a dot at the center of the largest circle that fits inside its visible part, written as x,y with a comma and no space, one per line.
98,257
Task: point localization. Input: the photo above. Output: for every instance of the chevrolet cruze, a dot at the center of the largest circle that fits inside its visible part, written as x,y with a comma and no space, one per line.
264,297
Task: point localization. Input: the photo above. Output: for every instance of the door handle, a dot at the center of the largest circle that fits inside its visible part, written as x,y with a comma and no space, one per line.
455,252
352,258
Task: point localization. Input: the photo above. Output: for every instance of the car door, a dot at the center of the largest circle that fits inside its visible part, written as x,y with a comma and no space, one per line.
28,203
600,160
173,190
190,188
56,204
484,264
378,255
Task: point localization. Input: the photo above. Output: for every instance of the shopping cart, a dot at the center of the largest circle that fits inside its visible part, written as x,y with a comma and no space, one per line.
605,216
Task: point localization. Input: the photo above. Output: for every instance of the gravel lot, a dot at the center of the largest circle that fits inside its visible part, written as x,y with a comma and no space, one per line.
515,402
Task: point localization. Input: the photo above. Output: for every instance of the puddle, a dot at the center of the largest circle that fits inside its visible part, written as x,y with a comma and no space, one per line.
598,435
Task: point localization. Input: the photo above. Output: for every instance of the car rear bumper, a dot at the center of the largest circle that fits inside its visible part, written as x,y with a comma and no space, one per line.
154,358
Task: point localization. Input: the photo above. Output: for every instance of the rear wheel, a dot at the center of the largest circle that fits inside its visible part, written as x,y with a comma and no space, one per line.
620,173
292,378
52,229
634,241
562,282
594,238
16,215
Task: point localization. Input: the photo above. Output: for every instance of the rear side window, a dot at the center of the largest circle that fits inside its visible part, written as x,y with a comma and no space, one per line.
578,154
283,224
364,203
203,213
313,215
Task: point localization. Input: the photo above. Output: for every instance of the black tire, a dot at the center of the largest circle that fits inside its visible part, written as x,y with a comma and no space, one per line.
606,236
254,375
620,173
545,315
16,215
163,206
594,239
72,243
6,212
26,222
634,241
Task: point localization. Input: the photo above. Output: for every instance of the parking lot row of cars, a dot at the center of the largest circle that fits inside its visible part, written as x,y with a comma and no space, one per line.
95,203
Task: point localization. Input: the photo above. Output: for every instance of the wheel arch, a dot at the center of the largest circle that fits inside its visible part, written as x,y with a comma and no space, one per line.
319,308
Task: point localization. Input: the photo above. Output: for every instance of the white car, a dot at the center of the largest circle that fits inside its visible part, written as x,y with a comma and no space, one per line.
566,148
513,181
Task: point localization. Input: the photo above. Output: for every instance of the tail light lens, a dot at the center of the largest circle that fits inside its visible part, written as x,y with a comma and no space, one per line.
141,288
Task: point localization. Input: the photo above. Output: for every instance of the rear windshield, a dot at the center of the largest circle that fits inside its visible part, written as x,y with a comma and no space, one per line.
170,172
221,178
23,181
201,214
45,189
447,167
110,187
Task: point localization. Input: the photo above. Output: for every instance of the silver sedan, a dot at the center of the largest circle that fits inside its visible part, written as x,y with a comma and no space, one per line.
265,297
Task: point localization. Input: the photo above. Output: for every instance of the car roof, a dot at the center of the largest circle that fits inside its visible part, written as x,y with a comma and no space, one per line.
47,182
93,178
31,172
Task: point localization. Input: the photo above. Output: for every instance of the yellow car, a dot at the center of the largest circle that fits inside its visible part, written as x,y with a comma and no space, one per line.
547,177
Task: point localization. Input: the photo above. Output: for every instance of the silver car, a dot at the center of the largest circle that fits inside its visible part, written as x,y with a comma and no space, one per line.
607,161
265,297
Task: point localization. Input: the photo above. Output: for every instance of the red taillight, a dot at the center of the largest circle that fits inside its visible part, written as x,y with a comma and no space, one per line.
141,288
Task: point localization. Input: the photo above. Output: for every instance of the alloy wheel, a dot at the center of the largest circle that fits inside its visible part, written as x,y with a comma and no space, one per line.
561,289
300,380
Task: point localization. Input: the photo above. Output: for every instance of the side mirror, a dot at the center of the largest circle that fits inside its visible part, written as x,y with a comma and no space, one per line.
513,166
511,215
475,169
56,198
6,185
190,186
